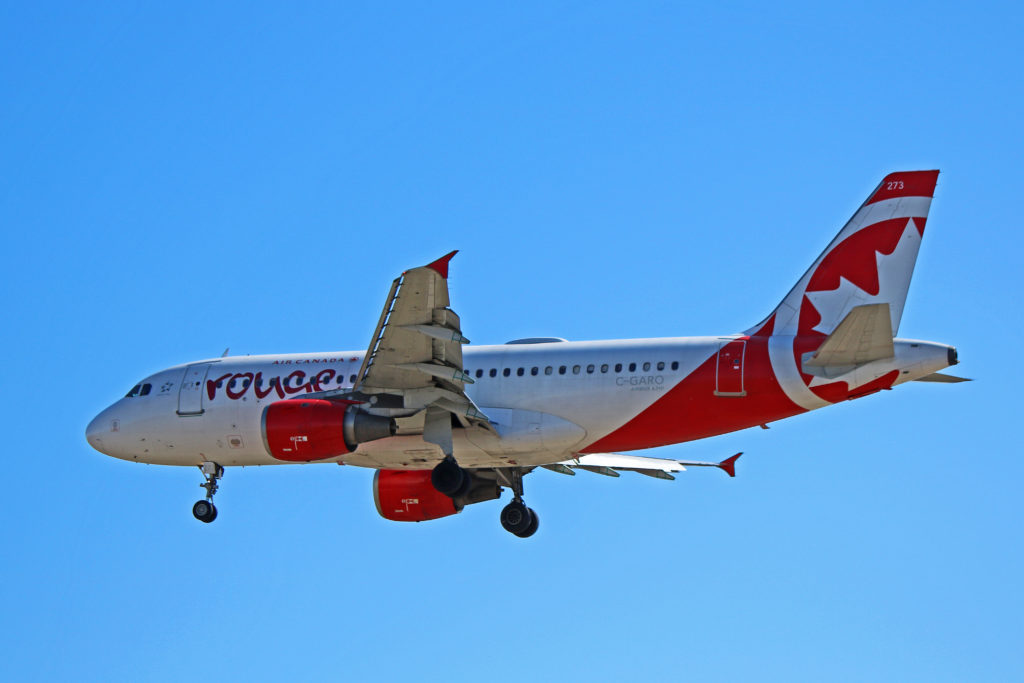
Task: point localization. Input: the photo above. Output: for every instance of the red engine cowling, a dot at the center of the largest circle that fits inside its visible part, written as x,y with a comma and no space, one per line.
408,496
303,430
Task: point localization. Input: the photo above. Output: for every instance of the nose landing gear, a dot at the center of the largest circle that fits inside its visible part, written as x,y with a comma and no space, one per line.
204,510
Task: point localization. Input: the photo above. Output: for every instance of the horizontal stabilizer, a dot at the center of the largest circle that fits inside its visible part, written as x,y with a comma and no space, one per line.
864,335
940,377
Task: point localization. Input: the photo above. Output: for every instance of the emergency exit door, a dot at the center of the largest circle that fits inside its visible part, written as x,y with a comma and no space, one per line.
190,395
729,374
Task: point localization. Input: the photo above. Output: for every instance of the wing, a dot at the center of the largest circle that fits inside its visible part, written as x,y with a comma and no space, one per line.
610,464
415,353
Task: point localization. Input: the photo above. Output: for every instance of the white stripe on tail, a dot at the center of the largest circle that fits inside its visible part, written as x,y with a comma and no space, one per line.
870,261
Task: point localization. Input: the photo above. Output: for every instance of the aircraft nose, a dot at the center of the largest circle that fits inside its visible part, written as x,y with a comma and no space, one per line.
101,426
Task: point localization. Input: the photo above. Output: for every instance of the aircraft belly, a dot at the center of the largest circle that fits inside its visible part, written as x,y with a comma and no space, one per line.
412,452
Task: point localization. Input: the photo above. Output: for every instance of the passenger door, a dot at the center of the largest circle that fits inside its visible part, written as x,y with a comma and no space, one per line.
729,375
190,395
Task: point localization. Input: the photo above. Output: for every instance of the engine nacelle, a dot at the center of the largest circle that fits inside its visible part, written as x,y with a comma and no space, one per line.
303,430
408,495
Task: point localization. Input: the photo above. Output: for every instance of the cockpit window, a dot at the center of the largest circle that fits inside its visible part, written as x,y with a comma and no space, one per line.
139,390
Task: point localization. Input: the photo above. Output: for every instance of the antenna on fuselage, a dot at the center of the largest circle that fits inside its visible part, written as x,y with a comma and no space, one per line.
225,354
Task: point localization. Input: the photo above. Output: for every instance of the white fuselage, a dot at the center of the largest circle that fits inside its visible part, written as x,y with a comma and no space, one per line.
548,401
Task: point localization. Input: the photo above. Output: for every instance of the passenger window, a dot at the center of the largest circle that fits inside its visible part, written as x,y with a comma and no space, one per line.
479,373
661,365
618,367
675,365
506,372
632,367
604,368
548,370
575,369
534,370
146,388
590,369
493,373
561,370
647,366
352,378
246,382
519,372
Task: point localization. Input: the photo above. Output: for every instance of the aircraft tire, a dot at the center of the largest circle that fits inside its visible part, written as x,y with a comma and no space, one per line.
204,511
516,518
534,523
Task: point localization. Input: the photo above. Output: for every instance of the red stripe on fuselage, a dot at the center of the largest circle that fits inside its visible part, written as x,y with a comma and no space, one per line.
691,410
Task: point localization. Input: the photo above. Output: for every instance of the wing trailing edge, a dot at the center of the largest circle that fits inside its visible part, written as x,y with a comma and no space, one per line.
610,464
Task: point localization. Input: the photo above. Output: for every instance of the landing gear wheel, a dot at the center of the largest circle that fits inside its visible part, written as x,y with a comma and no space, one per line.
517,519
532,529
204,511
450,479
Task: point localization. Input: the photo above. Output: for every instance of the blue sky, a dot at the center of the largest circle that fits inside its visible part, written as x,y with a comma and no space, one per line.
182,179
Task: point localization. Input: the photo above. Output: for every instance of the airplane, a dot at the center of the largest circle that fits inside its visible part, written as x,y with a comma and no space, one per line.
446,425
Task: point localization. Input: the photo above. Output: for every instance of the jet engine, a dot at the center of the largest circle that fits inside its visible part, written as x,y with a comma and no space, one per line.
303,430
409,496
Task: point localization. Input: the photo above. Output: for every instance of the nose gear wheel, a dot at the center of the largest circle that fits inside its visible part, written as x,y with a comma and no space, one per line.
204,510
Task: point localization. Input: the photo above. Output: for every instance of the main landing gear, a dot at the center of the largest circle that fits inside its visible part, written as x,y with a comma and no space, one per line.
516,518
205,510
455,482
519,519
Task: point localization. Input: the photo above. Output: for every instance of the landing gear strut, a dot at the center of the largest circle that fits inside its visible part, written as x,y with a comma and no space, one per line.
205,510
516,518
